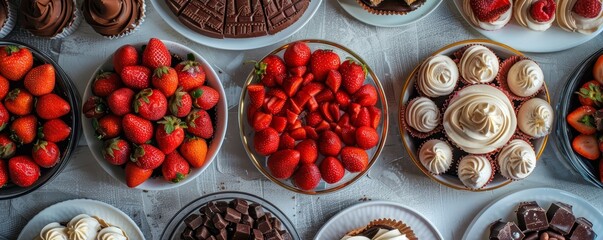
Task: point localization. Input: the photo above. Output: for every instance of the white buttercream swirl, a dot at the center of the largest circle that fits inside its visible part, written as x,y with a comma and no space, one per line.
54,231
500,22
478,65
474,171
516,160
436,156
525,78
480,119
437,76
422,114
536,117
83,227
521,12
382,234
111,233
570,21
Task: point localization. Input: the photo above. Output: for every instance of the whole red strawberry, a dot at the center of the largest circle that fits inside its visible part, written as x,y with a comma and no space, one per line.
4,87
329,144
55,130
3,173
165,79
4,117
256,94
126,55
190,75
52,106
146,156
15,62
116,151
105,83
266,142
136,77
136,175
587,8
24,129
322,61
199,124
194,150
120,101
150,104
169,134
23,171
307,176
331,170
136,129
272,66
180,103
19,102
352,75
45,154
282,164
7,147
354,159
367,137
95,107
175,168
40,80
366,95
156,54
205,97
308,150
107,127
298,54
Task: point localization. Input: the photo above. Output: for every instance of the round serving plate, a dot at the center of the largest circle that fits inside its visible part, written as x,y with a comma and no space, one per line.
361,214
176,225
247,132
234,43
409,91
565,133
523,39
65,211
504,208
158,183
355,10
65,88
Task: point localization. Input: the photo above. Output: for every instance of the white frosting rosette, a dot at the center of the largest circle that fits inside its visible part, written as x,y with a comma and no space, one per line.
570,21
524,78
521,13
83,227
54,231
500,22
516,160
422,115
436,156
437,76
535,117
475,171
478,65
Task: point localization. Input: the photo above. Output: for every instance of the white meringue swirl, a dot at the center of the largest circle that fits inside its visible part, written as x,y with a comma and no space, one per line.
525,78
500,22
536,117
436,156
521,12
437,76
475,171
83,227
54,231
422,114
111,233
516,160
570,21
478,65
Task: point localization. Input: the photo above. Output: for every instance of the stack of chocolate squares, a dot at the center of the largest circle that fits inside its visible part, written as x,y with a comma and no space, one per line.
234,220
533,223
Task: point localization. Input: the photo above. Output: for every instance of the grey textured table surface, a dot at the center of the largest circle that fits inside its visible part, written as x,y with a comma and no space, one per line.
392,52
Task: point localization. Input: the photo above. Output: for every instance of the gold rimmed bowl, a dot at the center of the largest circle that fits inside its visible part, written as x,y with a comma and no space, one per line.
412,144
247,132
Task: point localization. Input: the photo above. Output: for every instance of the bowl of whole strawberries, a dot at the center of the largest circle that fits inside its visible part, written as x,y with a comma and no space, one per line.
155,115
313,116
39,119
580,125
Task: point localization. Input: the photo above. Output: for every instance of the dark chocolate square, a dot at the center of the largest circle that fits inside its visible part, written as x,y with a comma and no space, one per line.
582,230
193,221
500,230
531,217
561,217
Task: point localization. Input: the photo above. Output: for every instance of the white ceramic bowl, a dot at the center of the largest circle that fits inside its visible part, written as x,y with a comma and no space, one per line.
158,183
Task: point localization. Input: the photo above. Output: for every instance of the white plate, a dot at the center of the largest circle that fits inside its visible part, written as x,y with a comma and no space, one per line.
220,129
523,39
65,211
361,214
505,208
234,43
352,8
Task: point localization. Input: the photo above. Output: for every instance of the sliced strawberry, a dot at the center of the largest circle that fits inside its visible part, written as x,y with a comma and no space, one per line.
292,84
298,71
587,146
366,95
343,99
274,92
279,123
291,117
313,88
312,105
298,133
313,119
295,125
326,111
274,105
348,135
301,99
323,126
325,95
261,121
582,119
256,94
251,114
333,80
590,94
286,142
311,133
334,110
344,120
363,119
375,114
308,78
354,110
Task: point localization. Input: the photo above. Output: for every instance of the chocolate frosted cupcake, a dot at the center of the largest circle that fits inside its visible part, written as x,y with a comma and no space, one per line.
8,17
114,18
49,18
390,7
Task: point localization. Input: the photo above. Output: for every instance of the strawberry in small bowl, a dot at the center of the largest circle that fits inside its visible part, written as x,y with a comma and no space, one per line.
39,119
155,115
313,117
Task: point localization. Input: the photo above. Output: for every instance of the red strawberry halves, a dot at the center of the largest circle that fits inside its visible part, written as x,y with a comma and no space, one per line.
150,104
156,54
137,129
170,134
146,156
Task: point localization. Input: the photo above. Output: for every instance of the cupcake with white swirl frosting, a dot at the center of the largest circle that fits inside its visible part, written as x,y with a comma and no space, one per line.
516,160
478,64
437,76
535,118
521,77
475,171
421,117
436,156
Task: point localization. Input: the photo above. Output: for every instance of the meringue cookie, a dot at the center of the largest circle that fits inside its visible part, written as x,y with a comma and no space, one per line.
521,12
437,76
475,171
83,227
490,26
54,231
516,160
478,65
525,78
111,233
436,156
569,21
535,117
480,119
422,114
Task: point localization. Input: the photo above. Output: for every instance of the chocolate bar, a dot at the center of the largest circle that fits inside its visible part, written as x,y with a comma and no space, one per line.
505,231
531,217
205,17
244,18
582,230
280,14
561,217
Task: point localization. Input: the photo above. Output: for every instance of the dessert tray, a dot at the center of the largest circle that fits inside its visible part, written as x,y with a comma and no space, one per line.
523,39
360,214
64,211
234,43
504,208
356,11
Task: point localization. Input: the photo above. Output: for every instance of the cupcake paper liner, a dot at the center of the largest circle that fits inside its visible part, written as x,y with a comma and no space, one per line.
395,224
459,54
505,66
451,149
134,26
11,20
411,130
383,12
73,25
492,162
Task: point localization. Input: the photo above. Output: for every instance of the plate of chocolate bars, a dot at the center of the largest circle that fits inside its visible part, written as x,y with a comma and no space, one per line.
236,24
537,213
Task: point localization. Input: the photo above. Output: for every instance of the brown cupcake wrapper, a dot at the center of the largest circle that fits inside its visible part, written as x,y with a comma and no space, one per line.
411,130
451,149
11,20
459,54
505,66
493,164
388,222
384,12
135,26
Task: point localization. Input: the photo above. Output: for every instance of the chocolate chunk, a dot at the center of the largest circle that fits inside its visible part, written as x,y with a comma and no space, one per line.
552,235
219,222
276,223
599,119
203,210
263,224
256,211
273,235
561,217
500,230
232,215
202,233
280,14
222,205
222,235
205,17
176,5
582,230
211,238
193,221
531,217
241,232
213,207
532,236
246,219
256,234
285,235
244,18
187,234
240,205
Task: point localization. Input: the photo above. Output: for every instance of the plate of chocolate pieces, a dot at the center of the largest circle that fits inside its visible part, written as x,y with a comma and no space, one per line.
538,213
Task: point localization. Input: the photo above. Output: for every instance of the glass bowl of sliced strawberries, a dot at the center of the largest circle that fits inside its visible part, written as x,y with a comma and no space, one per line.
313,116
580,124
39,119
154,115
